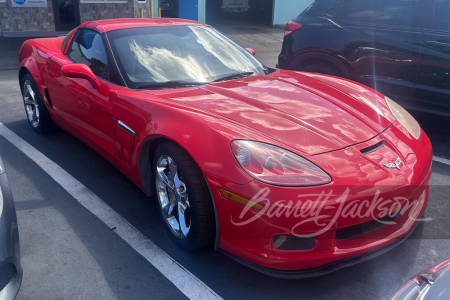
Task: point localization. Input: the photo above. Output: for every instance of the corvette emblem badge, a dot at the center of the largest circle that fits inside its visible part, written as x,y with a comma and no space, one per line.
395,164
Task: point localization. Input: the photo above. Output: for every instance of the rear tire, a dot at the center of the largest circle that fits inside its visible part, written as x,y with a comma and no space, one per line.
184,199
35,109
323,69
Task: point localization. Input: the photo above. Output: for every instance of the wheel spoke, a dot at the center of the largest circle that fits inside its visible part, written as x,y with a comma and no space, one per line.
173,223
34,116
173,197
36,110
162,175
29,109
163,197
173,172
170,209
28,101
182,219
31,92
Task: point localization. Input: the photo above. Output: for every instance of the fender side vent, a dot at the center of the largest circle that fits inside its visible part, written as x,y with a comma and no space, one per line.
48,98
372,148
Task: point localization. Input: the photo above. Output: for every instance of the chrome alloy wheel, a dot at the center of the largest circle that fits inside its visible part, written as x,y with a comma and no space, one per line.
31,105
173,197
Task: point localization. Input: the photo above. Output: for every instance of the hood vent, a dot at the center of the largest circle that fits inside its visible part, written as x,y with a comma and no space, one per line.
372,148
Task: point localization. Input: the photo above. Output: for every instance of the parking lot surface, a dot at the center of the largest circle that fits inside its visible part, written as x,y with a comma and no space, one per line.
68,253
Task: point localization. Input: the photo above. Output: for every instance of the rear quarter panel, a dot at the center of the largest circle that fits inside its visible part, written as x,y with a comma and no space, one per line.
34,57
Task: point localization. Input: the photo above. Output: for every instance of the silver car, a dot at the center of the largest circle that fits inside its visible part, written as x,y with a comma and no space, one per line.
430,284
10,267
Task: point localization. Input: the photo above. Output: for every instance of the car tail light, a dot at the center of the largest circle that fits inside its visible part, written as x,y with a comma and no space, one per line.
291,27
274,165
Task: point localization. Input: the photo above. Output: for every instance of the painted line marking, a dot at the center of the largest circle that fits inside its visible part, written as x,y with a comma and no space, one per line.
184,280
441,160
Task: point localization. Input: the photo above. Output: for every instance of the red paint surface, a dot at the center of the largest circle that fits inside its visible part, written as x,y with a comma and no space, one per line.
324,119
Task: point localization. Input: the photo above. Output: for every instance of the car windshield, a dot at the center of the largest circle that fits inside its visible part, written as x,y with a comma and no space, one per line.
148,56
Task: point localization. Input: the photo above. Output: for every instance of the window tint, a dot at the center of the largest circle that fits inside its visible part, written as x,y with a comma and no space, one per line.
88,49
442,15
384,12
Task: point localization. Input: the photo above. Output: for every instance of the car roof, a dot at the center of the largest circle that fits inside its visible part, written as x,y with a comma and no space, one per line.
114,24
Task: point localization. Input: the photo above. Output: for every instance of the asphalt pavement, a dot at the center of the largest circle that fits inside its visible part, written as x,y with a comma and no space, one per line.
68,253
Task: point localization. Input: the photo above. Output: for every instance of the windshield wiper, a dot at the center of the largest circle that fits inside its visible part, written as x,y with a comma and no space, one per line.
234,76
169,84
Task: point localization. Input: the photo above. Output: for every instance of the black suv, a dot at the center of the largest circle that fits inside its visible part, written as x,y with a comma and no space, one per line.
398,47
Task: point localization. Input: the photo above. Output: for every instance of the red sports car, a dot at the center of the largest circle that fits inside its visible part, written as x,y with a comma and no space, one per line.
294,174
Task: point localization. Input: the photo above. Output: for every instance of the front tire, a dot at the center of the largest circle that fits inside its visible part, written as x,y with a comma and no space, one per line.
184,198
35,108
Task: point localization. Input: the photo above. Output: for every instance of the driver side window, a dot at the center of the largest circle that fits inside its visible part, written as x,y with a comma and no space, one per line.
87,48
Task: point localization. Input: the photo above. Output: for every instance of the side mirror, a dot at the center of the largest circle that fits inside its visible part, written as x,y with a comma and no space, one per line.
251,51
81,71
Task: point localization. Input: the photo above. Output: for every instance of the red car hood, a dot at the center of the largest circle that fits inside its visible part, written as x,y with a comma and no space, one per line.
298,110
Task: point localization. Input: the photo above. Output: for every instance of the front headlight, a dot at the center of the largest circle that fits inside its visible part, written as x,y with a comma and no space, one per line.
404,118
277,166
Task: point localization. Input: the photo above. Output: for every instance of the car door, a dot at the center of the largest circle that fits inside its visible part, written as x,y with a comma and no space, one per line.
380,42
83,109
433,80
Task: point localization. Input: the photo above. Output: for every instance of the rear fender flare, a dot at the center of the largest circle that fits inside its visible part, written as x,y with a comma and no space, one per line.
320,56
30,66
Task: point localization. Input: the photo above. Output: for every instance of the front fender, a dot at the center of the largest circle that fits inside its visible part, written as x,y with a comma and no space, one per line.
205,137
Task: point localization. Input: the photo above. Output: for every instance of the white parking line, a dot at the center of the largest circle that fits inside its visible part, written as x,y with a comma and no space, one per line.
441,160
184,280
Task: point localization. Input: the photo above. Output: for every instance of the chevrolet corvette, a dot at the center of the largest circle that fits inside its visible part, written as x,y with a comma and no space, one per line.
291,173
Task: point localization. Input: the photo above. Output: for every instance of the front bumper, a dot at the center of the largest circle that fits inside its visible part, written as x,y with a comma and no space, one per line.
247,234
322,270
11,272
